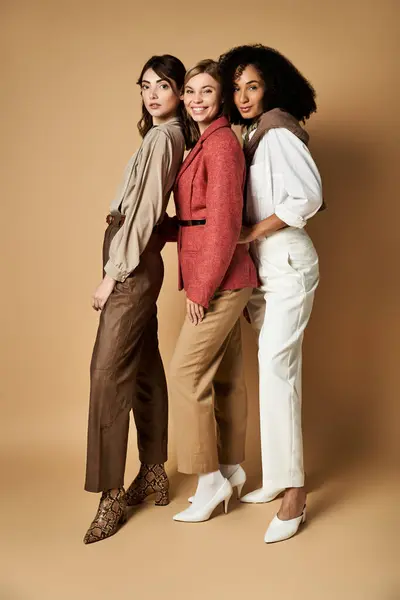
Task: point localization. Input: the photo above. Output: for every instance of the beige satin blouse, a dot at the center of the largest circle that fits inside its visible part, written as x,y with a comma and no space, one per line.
143,195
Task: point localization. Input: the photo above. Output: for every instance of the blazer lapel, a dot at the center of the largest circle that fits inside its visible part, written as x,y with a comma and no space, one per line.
189,159
217,124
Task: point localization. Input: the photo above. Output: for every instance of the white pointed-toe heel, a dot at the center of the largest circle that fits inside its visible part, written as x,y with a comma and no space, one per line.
197,514
283,530
237,480
261,496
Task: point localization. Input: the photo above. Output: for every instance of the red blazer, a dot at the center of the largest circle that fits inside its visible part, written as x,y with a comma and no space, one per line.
209,186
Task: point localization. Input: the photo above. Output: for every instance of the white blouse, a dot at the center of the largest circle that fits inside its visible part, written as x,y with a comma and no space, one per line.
283,180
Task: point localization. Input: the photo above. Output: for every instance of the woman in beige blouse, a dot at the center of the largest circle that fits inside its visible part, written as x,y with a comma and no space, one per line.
126,370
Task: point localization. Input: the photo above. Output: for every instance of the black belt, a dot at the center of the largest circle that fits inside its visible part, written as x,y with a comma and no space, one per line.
192,223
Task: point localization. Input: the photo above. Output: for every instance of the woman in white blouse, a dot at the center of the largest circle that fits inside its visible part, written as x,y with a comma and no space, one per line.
265,93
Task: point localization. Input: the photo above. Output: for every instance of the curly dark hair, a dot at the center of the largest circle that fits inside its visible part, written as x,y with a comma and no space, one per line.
285,86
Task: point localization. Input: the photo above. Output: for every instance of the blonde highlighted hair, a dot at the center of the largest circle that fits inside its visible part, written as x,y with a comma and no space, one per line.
210,67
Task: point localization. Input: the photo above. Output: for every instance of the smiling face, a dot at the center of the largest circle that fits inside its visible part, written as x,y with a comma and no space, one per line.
202,98
160,97
248,93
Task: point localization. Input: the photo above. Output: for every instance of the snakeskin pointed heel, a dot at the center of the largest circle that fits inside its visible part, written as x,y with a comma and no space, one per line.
109,517
151,479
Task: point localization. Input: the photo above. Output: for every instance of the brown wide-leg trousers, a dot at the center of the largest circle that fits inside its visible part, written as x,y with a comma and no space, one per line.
127,373
208,390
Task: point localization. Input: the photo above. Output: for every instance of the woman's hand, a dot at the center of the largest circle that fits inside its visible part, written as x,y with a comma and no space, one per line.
261,230
103,292
247,235
195,312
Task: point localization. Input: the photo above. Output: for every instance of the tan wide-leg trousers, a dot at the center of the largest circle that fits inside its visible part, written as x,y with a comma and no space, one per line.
208,391
127,373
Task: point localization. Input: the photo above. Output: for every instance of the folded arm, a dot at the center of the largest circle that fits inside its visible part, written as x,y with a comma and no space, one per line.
293,165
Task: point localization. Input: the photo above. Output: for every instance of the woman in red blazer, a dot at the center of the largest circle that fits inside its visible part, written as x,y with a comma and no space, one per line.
207,383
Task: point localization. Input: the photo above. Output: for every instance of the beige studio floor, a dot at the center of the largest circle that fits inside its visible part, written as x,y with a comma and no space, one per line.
348,550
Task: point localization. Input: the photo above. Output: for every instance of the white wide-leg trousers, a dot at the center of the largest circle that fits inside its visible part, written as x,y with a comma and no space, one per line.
279,310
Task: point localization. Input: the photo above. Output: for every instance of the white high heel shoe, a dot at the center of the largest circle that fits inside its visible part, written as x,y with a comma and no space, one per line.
283,530
261,495
237,480
196,514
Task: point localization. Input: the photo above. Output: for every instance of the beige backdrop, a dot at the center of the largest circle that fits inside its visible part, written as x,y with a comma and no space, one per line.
69,109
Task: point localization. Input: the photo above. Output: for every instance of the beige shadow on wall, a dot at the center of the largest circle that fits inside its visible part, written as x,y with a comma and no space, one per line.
71,105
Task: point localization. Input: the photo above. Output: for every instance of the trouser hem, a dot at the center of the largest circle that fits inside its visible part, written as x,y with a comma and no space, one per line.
111,485
289,482
198,468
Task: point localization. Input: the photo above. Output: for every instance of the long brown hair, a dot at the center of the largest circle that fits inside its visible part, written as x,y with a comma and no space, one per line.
172,70
210,67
